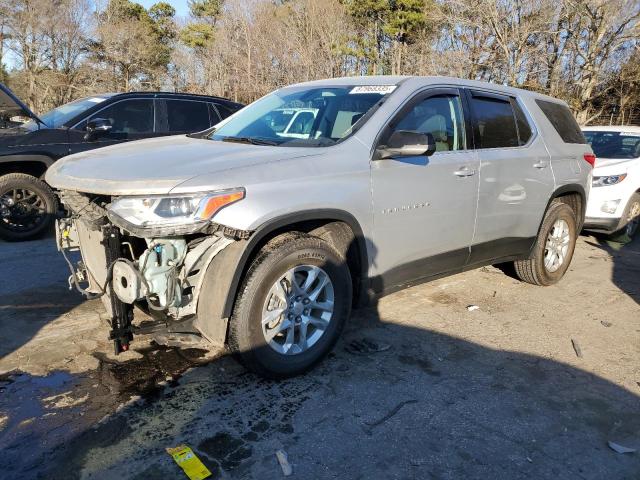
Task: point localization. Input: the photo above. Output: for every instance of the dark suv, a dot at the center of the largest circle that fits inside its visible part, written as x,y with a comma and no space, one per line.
27,203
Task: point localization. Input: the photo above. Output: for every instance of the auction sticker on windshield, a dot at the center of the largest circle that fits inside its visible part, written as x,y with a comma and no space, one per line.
381,89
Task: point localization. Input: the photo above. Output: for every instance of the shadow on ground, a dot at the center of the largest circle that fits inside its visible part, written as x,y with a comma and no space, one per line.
626,263
392,401
428,406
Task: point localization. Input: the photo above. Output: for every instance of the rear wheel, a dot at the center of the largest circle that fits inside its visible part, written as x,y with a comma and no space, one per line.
27,207
292,306
554,247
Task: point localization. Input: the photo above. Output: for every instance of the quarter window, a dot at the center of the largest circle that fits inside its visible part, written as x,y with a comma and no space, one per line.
441,116
129,116
495,122
224,110
562,120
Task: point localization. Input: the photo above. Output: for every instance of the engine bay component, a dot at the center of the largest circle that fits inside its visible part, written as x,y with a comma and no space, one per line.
121,312
160,265
127,283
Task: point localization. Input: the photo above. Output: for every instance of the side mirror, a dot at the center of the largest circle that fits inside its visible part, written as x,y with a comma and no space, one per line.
97,127
405,143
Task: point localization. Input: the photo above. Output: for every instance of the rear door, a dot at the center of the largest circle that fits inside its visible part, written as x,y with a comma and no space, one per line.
425,207
131,119
516,180
566,144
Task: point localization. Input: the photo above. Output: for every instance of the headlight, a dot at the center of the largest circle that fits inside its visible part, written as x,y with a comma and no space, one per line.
608,180
170,214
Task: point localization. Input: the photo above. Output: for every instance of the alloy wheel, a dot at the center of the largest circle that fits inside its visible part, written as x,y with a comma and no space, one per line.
557,245
21,210
298,309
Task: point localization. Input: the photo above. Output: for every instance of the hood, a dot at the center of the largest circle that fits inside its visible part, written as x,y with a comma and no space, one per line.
621,163
157,165
10,105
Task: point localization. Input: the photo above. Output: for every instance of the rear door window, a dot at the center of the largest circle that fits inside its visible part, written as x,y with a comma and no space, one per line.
495,121
187,116
562,120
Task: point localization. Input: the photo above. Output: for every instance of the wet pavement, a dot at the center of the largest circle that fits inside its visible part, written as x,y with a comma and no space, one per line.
418,387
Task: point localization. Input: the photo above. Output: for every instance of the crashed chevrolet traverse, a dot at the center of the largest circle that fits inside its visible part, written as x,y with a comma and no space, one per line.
263,233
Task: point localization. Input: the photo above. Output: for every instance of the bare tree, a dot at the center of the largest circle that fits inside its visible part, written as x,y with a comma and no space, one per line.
584,51
604,28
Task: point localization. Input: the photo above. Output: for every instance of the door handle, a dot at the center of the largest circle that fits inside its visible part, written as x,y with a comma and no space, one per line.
464,172
541,165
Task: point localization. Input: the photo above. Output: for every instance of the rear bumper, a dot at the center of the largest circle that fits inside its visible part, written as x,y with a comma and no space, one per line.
599,224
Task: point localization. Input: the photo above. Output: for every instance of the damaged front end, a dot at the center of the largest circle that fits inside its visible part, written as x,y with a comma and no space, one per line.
153,253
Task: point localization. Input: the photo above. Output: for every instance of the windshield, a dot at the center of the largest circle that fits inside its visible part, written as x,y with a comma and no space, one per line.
614,145
59,116
303,116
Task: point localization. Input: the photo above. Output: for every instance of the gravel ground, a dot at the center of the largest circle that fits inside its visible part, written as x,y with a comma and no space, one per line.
532,384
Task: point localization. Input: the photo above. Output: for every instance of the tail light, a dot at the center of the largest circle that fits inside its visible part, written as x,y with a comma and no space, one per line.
590,158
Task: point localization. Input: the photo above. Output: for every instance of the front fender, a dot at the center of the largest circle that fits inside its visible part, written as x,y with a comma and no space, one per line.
226,269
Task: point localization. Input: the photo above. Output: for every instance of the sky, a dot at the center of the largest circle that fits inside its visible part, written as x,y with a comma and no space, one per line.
181,6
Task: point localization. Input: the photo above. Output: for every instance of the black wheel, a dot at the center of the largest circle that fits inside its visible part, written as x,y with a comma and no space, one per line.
630,221
553,250
291,307
27,207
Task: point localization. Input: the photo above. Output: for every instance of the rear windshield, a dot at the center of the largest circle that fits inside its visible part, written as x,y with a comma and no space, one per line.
562,120
616,145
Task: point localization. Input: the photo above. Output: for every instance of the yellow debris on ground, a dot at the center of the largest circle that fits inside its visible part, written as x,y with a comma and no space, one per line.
189,462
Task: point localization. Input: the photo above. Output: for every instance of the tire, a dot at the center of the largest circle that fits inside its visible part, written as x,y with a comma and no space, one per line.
17,225
630,221
533,270
248,338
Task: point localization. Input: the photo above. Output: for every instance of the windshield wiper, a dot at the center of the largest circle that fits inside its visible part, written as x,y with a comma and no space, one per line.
250,140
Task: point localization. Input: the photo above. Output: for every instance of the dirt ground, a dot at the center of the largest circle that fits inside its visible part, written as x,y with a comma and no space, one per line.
532,384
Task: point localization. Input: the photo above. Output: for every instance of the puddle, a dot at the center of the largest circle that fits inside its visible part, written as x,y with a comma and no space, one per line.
147,376
62,406
226,450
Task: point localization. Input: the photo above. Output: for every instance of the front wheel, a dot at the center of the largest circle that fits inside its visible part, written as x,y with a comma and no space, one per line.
630,221
292,306
27,207
554,247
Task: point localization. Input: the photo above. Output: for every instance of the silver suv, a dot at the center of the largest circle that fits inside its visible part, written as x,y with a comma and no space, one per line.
248,237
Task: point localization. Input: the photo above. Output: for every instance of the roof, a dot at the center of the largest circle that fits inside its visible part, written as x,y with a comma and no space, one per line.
167,94
397,79
612,128
359,80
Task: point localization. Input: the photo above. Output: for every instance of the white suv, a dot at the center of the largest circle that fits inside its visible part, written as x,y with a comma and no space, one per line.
614,201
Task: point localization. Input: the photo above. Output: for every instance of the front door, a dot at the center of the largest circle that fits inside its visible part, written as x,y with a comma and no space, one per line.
425,207
131,119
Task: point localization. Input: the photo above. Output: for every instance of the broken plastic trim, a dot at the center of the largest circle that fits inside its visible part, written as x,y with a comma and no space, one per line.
208,228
